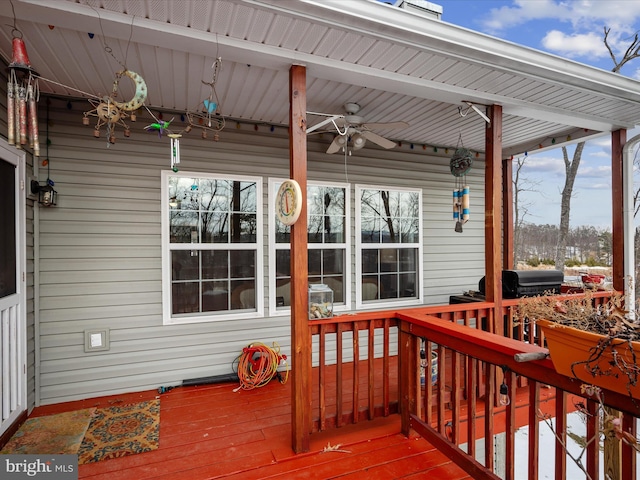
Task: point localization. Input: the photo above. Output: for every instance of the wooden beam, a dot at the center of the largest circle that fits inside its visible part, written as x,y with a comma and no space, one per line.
508,214
300,333
493,214
618,140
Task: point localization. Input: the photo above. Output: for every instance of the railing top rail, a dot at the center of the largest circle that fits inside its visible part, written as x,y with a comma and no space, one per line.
500,350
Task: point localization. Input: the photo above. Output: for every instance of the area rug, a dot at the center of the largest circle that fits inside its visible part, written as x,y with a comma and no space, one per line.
61,433
121,430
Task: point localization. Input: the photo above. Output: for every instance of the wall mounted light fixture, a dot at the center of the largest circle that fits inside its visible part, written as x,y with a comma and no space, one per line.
47,196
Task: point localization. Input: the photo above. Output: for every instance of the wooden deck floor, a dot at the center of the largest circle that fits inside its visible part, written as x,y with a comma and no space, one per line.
211,432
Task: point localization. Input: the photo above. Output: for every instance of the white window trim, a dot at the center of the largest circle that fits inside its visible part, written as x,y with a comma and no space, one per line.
272,185
358,251
167,318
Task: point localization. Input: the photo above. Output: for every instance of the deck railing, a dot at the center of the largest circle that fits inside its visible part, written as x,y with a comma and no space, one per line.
382,376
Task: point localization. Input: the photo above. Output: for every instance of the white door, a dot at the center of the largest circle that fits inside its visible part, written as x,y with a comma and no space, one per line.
13,382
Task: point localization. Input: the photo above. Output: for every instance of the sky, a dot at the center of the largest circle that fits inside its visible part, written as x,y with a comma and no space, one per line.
572,29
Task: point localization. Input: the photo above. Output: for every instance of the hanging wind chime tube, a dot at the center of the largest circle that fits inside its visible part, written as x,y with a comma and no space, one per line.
22,92
465,204
175,150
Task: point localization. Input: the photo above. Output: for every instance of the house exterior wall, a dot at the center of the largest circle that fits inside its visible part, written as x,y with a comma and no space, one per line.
99,250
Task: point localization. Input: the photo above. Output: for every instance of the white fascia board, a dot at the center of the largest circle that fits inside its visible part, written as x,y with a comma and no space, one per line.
399,26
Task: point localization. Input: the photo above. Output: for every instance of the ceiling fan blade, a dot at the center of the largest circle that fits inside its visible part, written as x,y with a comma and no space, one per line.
337,144
324,122
386,125
375,138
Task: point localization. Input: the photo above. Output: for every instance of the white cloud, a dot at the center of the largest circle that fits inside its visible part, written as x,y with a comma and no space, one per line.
575,45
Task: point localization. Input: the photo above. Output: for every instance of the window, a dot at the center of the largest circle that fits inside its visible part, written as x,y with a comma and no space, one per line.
327,227
212,236
388,246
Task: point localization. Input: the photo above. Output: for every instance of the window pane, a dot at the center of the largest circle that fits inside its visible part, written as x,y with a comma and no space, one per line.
334,229
183,226
370,261
283,263
215,296
315,200
185,297
243,295
333,262
408,260
407,287
370,287
370,203
409,230
215,227
184,265
315,262
334,201
390,232
315,229
8,265
389,286
283,232
242,264
388,260
215,264
370,230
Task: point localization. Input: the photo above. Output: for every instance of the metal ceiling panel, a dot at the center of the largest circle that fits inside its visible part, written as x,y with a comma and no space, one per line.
395,65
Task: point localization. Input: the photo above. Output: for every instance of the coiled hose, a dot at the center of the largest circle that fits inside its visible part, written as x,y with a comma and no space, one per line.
258,364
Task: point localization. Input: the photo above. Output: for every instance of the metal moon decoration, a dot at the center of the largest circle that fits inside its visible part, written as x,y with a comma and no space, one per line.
112,113
141,91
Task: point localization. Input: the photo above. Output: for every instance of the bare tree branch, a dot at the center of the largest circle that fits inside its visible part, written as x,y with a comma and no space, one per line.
633,51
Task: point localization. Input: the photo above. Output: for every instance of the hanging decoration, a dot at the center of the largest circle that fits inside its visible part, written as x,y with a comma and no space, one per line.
175,150
22,97
207,115
460,164
111,113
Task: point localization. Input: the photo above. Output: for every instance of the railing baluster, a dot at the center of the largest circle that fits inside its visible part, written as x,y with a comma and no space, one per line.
371,370
455,396
472,377
356,372
428,384
386,368
593,449
322,378
442,377
339,367
510,427
489,450
534,429
561,433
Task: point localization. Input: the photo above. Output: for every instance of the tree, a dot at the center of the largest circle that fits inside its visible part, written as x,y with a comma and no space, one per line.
520,209
571,170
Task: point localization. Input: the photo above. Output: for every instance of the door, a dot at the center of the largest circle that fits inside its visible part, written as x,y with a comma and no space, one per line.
13,381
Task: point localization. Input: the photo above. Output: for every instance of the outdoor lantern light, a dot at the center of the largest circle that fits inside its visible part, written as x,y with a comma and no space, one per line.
504,399
47,196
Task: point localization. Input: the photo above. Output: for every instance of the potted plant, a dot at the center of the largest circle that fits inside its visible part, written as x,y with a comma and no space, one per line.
599,345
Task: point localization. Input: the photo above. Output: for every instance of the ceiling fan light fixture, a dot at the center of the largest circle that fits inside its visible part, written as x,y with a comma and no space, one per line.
358,141
341,140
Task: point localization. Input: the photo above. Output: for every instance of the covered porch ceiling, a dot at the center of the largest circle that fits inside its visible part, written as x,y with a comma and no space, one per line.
396,64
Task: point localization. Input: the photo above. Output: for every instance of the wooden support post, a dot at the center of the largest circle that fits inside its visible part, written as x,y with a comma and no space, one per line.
300,333
508,255
618,140
493,215
612,448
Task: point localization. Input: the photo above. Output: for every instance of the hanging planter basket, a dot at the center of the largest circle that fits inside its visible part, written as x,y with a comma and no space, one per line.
593,358
461,162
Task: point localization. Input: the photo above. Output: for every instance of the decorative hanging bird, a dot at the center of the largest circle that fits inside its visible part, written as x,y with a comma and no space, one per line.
159,126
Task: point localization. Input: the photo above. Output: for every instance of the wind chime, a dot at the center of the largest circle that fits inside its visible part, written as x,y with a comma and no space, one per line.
460,164
207,115
22,98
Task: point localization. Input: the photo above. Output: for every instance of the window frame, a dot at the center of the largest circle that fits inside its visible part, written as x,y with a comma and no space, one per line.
360,246
273,185
168,247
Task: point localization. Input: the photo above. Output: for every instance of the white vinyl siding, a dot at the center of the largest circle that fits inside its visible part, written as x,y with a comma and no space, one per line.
99,251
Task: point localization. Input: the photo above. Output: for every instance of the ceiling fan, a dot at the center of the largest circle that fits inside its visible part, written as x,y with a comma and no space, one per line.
353,131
